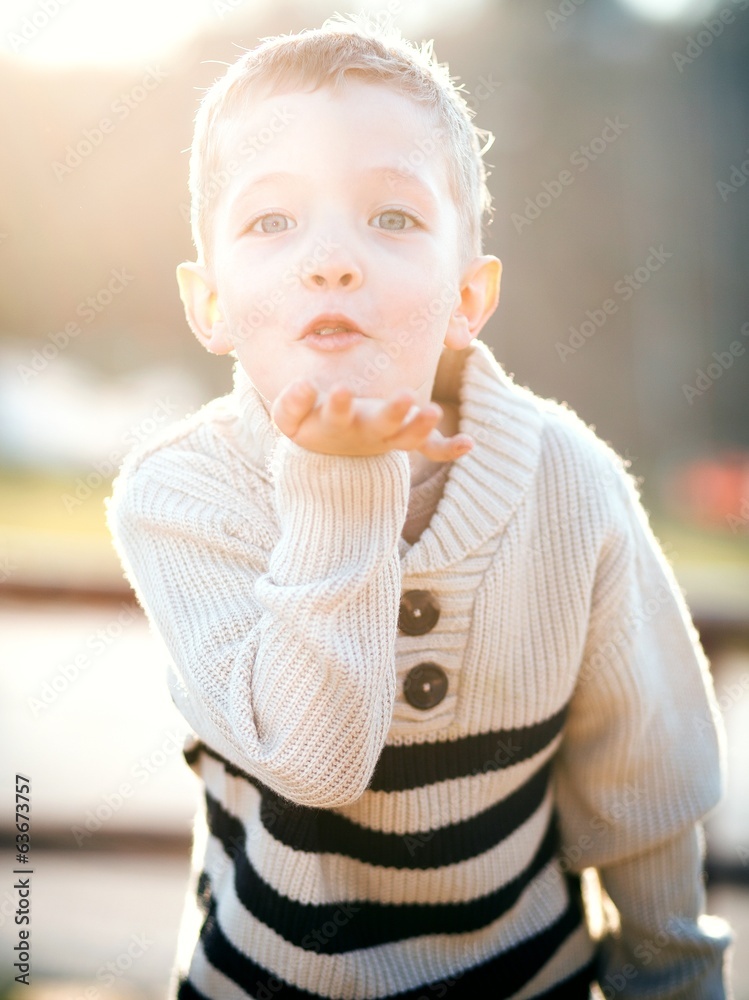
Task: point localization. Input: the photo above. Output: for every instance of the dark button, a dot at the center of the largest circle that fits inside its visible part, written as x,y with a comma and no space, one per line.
425,685
419,612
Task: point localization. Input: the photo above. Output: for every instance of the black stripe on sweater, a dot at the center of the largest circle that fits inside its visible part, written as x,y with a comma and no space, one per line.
186,991
404,767
322,831
577,987
499,978
335,928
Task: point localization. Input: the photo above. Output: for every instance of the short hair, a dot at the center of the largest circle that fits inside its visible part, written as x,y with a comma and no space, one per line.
364,48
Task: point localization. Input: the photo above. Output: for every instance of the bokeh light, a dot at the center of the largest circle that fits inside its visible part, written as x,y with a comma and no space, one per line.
670,10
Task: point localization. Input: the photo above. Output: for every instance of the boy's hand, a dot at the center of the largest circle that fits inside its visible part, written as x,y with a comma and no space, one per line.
342,424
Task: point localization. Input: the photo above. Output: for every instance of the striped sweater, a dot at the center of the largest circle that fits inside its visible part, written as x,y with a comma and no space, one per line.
396,811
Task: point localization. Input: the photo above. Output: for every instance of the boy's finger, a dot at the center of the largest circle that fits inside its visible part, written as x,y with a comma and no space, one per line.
400,403
420,425
441,449
337,408
293,405
393,414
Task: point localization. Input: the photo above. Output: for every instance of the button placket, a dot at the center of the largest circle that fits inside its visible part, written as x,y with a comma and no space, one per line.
425,685
419,612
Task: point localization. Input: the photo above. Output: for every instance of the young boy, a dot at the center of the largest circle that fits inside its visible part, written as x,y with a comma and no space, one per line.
434,660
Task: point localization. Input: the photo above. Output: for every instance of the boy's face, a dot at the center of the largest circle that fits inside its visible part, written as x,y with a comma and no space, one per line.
336,247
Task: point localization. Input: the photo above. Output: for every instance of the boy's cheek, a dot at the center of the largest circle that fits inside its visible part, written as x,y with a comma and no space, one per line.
267,374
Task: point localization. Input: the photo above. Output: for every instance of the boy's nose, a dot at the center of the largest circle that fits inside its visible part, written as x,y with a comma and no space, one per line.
332,269
345,279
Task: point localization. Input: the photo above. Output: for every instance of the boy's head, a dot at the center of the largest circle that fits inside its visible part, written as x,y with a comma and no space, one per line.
328,161
340,50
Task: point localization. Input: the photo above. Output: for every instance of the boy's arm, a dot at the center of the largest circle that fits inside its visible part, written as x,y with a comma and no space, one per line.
284,647
665,947
640,765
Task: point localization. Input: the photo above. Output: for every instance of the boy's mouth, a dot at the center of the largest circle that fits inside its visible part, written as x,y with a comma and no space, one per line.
331,332
329,324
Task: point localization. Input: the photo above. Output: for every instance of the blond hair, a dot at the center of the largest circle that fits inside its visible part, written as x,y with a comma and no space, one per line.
367,49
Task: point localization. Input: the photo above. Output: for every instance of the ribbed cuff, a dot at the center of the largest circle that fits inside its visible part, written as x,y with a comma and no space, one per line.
343,508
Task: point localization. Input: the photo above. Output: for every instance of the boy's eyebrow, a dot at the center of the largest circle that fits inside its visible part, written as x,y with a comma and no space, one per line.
389,174
392,174
275,175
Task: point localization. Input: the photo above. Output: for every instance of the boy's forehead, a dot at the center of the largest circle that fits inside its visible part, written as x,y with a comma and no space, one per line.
382,116
356,86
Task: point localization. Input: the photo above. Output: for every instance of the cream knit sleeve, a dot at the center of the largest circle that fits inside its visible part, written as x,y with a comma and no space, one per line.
640,765
281,624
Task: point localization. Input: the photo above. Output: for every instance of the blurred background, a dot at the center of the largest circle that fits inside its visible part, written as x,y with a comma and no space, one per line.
619,174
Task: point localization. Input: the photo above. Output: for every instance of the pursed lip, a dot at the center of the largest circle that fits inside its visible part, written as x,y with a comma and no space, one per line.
330,320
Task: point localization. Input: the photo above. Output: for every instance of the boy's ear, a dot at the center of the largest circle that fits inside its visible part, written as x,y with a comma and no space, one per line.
196,289
479,297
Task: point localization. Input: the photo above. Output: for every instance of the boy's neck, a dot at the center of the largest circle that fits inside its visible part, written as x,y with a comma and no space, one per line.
445,391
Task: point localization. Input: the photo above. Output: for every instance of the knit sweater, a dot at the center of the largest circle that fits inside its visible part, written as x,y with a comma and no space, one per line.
367,836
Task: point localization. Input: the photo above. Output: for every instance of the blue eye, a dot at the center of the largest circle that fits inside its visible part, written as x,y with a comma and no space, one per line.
395,220
274,222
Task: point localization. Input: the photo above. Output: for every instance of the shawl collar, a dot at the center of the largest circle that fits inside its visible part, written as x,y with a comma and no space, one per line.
484,487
